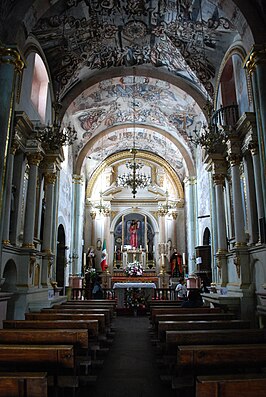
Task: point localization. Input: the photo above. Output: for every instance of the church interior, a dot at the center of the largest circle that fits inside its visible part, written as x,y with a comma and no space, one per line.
133,156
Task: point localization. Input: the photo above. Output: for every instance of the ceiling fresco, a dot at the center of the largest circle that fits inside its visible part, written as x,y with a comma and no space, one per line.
185,37
132,100
145,140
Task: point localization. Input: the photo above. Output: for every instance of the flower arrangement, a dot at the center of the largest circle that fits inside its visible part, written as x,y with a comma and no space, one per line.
134,269
91,273
135,298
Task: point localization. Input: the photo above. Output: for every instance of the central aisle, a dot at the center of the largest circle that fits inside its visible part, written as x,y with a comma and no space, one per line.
130,368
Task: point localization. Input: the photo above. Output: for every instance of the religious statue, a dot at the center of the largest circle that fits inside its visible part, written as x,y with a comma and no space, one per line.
133,231
176,264
90,258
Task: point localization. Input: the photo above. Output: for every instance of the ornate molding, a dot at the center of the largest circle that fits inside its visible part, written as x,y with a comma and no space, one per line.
149,157
218,179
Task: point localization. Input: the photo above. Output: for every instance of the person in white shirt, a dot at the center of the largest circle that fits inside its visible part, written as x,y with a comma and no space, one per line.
181,290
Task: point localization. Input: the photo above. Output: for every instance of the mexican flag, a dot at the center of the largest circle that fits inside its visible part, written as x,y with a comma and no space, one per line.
103,258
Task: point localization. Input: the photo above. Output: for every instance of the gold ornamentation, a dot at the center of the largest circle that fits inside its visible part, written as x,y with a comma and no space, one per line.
93,215
34,158
6,242
12,56
50,178
28,245
174,215
257,56
218,179
234,159
77,179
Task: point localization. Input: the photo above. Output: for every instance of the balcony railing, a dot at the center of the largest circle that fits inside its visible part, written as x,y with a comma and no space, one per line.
226,116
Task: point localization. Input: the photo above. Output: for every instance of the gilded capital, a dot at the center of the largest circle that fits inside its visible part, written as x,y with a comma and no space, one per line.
174,215
11,56
14,147
257,56
50,179
234,159
34,158
218,179
77,179
93,215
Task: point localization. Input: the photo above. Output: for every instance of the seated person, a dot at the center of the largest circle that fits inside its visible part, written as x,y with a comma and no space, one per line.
194,299
181,289
97,292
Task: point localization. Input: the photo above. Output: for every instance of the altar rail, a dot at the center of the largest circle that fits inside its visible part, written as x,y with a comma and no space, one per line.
108,293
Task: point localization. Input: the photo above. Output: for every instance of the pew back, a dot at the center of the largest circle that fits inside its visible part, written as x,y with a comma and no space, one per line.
23,384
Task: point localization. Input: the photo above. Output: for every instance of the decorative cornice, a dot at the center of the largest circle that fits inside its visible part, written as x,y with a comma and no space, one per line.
234,159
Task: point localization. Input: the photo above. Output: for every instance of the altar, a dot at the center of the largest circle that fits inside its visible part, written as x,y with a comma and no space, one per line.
120,289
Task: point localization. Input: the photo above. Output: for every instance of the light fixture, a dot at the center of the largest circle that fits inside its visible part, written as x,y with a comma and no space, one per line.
101,207
165,207
55,136
213,137
134,179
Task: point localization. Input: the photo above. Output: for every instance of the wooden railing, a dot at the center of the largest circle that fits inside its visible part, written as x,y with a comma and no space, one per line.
109,293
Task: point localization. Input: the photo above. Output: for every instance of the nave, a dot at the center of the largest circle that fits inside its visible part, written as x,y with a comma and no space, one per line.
130,368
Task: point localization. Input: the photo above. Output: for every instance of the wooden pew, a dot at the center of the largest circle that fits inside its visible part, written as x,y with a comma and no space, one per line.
75,310
164,326
244,385
213,337
191,317
181,310
68,316
111,308
78,338
91,325
57,360
208,359
23,384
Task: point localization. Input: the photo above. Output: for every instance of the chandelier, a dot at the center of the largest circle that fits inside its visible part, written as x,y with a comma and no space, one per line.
134,178
165,207
101,207
53,136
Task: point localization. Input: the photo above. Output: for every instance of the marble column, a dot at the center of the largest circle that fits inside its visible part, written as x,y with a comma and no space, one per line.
11,67
106,236
174,238
239,216
218,180
256,66
190,192
258,188
77,181
34,160
8,202
49,180
252,216
161,215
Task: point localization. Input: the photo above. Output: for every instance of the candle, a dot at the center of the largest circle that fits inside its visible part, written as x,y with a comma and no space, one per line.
84,259
115,248
162,259
140,247
147,248
184,258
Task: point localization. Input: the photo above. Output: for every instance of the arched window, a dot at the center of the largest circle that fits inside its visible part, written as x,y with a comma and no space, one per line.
39,87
